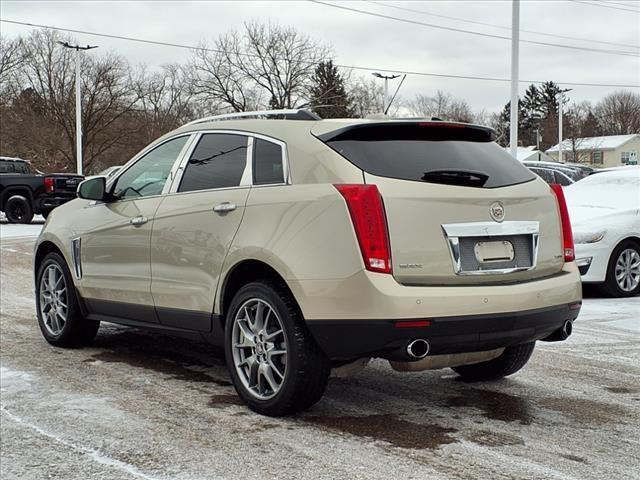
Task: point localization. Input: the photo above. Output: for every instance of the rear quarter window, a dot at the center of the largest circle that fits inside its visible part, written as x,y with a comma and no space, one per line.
453,155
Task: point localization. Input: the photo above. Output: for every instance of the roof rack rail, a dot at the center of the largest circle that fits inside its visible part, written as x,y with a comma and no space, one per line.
290,114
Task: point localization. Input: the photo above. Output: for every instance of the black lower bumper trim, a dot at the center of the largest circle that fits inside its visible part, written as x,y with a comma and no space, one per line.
346,339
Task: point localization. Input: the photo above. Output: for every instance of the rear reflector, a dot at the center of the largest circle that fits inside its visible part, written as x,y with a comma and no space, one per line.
49,185
567,235
412,323
367,214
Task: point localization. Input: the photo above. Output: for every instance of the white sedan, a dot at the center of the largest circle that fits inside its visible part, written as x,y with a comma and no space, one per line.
604,209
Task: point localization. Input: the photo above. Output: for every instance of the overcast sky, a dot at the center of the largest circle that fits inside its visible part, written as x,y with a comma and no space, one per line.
363,40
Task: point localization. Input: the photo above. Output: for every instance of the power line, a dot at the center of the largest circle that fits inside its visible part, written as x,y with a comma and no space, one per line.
471,32
599,4
348,67
503,27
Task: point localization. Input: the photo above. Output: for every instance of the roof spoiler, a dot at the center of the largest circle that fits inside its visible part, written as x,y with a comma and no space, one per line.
418,129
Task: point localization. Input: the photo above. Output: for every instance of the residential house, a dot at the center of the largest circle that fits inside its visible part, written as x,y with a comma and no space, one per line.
530,154
601,152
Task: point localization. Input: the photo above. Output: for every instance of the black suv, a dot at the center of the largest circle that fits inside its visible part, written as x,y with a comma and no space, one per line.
24,191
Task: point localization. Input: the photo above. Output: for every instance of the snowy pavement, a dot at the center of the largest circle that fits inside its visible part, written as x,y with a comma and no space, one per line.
137,405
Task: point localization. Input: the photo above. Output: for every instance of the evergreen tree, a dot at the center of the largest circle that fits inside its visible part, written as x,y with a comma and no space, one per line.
329,98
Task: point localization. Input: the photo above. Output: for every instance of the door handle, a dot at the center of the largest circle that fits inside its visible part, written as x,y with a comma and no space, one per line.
137,221
224,207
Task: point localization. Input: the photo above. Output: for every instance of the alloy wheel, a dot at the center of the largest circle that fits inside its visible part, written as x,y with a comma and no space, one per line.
259,348
627,270
53,299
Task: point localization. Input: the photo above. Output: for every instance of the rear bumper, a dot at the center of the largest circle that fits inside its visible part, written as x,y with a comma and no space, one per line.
49,203
347,339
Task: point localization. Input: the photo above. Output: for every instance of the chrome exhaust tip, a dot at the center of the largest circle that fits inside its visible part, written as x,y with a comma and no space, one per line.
418,349
567,328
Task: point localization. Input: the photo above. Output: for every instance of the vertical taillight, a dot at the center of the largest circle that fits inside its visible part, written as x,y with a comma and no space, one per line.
567,234
369,221
49,184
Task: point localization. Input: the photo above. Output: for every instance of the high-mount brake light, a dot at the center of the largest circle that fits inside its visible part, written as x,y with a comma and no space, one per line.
567,235
369,221
49,184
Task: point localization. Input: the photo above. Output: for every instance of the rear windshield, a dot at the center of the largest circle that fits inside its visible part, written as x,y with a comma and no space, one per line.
452,155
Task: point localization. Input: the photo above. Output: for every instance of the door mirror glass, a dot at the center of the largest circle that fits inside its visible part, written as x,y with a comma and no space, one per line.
92,189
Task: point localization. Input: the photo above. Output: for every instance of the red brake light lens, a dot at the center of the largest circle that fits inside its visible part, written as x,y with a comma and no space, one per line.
369,221
49,185
567,234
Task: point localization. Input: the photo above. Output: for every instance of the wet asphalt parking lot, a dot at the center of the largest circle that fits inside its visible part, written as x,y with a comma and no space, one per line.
141,405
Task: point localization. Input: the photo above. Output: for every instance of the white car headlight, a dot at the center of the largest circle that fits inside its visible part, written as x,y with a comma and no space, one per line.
588,237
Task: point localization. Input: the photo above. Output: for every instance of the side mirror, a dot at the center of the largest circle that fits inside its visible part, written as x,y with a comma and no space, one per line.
93,189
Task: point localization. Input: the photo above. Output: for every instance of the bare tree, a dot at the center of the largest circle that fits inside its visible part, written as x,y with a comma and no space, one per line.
442,105
367,97
619,113
264,64
216,79
108,98
11,59
165,99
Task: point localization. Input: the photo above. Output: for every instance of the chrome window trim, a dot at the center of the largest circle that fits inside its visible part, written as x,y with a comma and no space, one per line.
247,175
454,231
285,161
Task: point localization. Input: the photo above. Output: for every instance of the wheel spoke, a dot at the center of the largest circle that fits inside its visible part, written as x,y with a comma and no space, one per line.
272,335
267,373
276,370
246,331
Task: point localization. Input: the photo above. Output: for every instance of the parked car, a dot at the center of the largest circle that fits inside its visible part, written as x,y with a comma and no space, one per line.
25,192
301,245
605,212
574,171
552,176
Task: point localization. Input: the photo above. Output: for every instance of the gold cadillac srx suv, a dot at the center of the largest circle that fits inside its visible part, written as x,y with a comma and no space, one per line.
302,245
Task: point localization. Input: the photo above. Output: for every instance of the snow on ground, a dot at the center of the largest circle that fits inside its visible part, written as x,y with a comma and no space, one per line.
137,405
15,230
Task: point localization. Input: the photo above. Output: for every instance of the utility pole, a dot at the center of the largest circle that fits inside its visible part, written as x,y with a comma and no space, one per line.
515,38
560,115
77,48
386,87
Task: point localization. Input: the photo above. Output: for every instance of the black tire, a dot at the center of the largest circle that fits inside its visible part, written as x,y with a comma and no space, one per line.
75,331
307,368
610,287
508,363
18,209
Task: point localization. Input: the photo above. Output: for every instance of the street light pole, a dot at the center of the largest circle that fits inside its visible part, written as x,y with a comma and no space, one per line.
560,115
515,38
386,87
77,48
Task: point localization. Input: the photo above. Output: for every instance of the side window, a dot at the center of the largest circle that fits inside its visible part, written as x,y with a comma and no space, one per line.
22,168
5,167
149,174
218,161
267,162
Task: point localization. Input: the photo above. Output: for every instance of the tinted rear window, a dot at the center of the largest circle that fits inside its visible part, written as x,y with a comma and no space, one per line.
450,155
